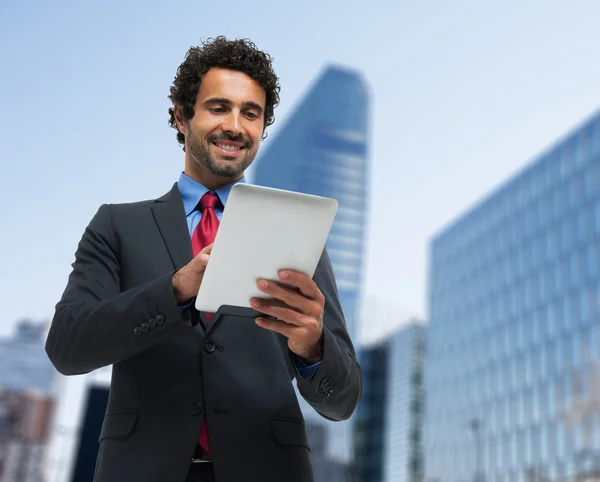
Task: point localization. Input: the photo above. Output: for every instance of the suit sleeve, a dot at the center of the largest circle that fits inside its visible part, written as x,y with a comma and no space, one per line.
335,388
95,324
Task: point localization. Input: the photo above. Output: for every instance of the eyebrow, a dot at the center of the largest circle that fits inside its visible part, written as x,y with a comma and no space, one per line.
221,100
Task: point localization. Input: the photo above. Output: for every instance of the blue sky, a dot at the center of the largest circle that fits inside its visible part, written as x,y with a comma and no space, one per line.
463,94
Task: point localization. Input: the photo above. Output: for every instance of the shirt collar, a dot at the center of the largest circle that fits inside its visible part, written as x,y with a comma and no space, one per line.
192,191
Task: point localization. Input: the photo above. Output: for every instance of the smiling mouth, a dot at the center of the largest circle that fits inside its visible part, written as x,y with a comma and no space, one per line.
229,147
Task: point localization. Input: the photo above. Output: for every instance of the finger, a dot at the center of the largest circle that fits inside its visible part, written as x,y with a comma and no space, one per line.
275,325
303,282
289,296
293,298
207,249
200,261
268,303
279,310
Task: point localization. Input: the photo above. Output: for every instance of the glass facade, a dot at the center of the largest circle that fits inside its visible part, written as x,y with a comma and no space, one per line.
370,421
322,150
514,324
324,468
404,405
389,420
24,364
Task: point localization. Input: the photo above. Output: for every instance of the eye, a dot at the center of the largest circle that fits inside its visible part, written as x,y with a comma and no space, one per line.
217,110
252,115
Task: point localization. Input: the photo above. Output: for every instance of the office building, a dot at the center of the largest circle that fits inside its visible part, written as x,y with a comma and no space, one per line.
23,360
25,419
513,334
322,149
389,421
87,445
405,403
26,404
370,420
325,468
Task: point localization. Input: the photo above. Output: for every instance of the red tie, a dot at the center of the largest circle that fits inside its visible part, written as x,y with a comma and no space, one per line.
203,235
205,232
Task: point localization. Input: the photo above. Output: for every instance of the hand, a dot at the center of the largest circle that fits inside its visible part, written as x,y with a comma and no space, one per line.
299,313
186,281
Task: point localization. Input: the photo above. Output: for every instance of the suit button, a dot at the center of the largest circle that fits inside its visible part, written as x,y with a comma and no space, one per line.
210,347
145,327
196,408
160,319
137,331
152,323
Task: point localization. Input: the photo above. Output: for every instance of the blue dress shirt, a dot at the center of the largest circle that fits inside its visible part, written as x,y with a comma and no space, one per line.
191,192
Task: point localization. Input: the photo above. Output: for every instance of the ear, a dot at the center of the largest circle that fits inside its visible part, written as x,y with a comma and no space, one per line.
181,124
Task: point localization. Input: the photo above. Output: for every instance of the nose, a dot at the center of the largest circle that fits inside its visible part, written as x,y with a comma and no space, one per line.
232,123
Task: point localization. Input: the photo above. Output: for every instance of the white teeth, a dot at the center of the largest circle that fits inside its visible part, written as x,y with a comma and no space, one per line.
228,147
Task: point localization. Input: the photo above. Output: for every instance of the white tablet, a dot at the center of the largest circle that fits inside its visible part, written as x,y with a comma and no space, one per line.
262,231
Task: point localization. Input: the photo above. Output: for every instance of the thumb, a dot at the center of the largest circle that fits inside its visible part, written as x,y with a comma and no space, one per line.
200,261
203,253
207,249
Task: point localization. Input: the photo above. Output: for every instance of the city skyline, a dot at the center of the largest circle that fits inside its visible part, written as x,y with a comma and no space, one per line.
465,97
577,150
443,115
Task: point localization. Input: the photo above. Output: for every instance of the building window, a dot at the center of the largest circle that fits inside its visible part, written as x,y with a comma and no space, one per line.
597,217
544,361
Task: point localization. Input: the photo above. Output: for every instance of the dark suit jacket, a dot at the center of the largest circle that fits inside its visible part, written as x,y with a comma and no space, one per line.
169,371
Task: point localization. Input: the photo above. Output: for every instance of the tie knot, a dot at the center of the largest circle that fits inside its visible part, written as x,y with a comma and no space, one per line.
209,200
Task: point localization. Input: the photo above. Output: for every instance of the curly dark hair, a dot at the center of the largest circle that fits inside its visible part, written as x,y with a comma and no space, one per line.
240,55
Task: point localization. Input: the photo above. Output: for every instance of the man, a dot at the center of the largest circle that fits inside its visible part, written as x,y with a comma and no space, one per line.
198,396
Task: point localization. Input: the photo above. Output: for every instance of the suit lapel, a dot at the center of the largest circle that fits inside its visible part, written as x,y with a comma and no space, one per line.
169,215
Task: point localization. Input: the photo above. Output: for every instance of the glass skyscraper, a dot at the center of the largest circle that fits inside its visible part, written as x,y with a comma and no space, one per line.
514,324
388,434
322,150
370,421
403,455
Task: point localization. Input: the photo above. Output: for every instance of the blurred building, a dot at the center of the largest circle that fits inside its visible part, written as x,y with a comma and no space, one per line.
370,419
322,150
23,360
389,420
325,468
26,404
514,324
87,446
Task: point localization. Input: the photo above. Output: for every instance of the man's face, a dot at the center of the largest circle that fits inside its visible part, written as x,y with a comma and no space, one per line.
225,132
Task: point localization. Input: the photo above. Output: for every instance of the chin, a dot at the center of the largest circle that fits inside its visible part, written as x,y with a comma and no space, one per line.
226,170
